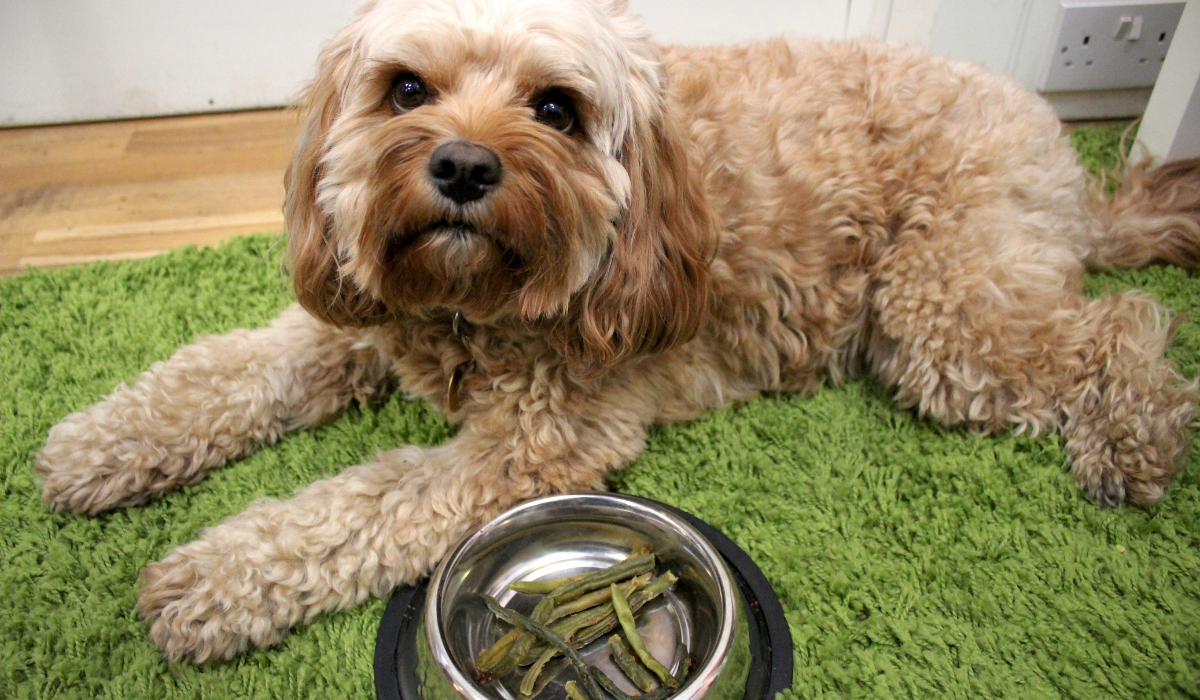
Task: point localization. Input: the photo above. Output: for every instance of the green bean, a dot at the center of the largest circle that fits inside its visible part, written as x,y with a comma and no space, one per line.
530,679
660,693
542,587
541,611
591,600
491,662
495,653
570,631
580,620
685,668
567,628
515,618
513,660
652,590
630,666
607,684
606,618
585,627
520,648
633,565
524,652
515,645
573,691
625,617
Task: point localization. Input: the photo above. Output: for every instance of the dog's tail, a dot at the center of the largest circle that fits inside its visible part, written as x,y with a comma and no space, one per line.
1154,216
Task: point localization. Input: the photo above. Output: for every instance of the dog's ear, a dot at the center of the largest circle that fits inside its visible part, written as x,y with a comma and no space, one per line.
314,263
653,291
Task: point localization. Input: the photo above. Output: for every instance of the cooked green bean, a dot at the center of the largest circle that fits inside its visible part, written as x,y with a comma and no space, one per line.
607,684
583,619
495,653
542,587
515,646
601,618
625,617
529,681
513,617
633,565
685,668
567,629
652,590
573,691
590,600
582,609
570,631
541,611
630,666
524,653
517,642
659,693
606,618
505,665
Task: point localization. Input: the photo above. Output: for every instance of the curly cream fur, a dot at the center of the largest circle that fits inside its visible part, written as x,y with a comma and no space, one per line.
725,221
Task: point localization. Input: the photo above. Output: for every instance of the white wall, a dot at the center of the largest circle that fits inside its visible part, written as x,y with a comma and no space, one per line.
82,60
726,21
1016,37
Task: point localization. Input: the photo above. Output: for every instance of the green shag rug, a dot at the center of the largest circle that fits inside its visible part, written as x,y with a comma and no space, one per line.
912,561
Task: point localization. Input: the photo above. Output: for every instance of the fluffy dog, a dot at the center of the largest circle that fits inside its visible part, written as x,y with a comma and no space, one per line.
560,234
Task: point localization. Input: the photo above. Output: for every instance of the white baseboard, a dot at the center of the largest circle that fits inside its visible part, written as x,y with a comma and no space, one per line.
1099,104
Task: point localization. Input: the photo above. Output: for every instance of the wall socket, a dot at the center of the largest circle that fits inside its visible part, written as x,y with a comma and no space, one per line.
1103,45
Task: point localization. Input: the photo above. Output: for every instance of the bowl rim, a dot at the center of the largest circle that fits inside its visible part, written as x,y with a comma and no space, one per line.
701,678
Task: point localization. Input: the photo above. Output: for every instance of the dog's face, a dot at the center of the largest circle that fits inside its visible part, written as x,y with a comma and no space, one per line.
503,158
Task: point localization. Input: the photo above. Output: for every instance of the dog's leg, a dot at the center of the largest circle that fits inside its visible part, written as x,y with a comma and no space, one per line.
992,333
211,402
1127,423
281,563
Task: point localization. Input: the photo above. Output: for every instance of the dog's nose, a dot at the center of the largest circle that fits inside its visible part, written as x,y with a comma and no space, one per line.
464,171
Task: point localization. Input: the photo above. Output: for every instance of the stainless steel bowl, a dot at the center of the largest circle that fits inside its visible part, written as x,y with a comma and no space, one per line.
702,615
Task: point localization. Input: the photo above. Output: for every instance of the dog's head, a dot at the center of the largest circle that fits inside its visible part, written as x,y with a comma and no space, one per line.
503,158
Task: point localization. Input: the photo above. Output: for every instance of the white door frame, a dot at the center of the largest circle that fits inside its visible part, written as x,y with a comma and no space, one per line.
1170,128
908,21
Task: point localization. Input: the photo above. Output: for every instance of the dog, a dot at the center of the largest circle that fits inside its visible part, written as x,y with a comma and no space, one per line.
560,234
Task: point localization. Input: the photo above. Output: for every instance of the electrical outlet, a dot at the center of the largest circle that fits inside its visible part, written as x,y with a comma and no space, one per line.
1103,45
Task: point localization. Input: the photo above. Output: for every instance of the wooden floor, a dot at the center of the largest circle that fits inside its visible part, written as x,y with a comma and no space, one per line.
131,189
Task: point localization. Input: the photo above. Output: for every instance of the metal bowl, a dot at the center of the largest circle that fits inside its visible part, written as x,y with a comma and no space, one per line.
702,616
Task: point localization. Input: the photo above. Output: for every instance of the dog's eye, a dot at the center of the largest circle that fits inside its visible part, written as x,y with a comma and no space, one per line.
408,92
555,110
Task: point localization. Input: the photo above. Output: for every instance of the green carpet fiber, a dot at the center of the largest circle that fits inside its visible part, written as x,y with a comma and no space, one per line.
913,561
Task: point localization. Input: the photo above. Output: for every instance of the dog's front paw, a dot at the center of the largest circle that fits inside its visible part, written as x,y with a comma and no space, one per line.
92,463
200,607
1130,453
